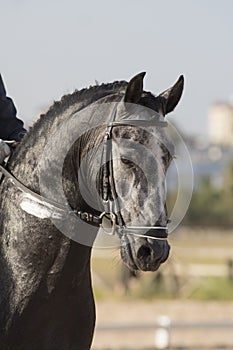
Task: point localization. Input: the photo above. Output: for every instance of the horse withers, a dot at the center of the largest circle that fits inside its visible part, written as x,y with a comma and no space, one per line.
107,150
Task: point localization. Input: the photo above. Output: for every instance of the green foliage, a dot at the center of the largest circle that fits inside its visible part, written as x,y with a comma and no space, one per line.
164,287
214,288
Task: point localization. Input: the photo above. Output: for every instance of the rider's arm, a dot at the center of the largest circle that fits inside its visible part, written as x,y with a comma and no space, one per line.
11,128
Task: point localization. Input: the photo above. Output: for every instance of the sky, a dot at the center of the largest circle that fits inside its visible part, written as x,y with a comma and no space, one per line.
52,47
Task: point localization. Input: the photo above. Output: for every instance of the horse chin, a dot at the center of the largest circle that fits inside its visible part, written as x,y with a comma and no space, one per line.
142,254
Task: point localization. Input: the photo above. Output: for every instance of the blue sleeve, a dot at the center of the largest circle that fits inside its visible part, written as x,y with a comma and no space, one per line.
11,128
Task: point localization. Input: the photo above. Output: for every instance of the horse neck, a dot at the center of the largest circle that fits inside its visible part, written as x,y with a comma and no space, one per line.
25,162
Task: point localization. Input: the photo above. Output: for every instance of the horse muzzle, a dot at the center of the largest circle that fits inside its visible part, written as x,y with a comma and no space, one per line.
144,253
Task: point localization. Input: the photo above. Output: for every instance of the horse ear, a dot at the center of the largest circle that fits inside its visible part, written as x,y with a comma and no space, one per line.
134,89
172,96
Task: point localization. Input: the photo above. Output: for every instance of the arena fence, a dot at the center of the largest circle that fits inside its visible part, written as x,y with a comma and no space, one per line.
164,327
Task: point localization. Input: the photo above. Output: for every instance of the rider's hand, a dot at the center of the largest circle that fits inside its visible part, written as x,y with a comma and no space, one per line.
15,144
5,151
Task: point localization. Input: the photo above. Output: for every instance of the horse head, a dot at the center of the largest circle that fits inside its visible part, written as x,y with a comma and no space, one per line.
127,172
141,157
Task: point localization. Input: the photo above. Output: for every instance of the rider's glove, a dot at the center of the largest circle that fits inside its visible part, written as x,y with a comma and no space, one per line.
5,151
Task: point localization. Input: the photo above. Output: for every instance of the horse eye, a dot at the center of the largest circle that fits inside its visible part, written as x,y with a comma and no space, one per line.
128,162
125,161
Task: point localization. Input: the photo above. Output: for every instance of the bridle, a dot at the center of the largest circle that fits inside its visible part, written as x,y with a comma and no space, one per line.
39,206
112,213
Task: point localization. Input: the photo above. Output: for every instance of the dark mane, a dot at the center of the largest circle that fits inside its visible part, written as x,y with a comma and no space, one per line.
82,97
91,94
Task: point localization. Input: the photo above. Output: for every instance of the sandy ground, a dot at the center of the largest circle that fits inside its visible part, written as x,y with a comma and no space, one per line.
178,311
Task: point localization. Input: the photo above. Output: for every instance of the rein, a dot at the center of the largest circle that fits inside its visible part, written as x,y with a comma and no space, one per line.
37,205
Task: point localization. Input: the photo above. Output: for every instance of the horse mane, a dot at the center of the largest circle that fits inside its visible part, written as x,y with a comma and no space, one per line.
83,97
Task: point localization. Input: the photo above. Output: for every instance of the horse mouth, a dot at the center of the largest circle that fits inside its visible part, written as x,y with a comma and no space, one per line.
143,254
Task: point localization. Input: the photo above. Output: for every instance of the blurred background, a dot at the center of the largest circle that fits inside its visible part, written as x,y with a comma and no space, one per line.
50,48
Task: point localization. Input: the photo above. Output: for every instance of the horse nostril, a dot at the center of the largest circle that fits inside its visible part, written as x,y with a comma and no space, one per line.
143,252
150,256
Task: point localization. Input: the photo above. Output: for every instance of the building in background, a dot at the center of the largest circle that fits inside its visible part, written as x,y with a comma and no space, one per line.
210,155
220,124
